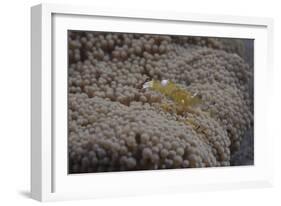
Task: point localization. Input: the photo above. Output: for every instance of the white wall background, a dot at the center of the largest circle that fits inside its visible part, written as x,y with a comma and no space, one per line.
15,102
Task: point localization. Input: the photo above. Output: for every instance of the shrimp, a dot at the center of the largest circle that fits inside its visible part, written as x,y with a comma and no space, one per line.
183,100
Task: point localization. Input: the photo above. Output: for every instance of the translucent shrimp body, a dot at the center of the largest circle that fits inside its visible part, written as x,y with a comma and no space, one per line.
182,98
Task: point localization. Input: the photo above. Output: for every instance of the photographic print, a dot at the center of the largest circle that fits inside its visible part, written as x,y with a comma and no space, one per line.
151,102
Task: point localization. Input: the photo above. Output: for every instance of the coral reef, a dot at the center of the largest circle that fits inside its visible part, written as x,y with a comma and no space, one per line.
117,125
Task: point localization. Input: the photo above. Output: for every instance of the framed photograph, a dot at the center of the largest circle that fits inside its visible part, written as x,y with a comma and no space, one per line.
134,102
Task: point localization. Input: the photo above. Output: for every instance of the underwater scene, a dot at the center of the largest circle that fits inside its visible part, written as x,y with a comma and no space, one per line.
149,102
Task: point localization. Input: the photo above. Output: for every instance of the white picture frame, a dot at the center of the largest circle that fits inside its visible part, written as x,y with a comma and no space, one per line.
49,178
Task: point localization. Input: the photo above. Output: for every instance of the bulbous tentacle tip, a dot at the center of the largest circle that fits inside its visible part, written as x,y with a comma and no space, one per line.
164,82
